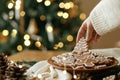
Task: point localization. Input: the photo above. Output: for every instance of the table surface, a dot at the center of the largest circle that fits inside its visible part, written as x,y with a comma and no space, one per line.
31,55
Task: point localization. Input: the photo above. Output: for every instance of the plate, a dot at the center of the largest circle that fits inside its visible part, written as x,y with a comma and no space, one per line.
69,69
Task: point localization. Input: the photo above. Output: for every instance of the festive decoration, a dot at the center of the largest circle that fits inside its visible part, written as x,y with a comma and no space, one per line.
50,24
10,70
32,28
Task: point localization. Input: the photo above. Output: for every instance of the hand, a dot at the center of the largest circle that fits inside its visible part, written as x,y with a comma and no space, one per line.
89,32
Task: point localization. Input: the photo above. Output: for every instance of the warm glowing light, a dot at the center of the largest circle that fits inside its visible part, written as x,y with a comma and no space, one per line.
14,32
39,1
49,28
5,32
22,13
56,46
27,42
64,72
26,37
70,38
42,18
67,6
11,14
71,4
60,44
61,5
47,3
10,5
60,13
65,15
17,6
37,43
19,48
82,16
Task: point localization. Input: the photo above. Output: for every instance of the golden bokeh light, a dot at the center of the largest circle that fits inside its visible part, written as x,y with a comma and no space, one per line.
38,44
55,46
60,44
27,42
82,16
39,1
71,4
26,37
60,13
5,32
10,5
47,3
17,5
65,15
49,28
22,13
69,38
19,48
67,6
14,33
61,5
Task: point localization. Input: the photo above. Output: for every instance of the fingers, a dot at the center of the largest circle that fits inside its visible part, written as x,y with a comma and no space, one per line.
81,32
88,30
89,33
95,38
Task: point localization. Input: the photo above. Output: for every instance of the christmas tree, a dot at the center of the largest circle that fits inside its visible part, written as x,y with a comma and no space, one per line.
39,24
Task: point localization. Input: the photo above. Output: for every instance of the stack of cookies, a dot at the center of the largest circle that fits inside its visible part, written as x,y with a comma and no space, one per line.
82,60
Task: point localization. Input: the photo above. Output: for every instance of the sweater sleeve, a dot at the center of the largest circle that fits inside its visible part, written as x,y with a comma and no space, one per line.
105,17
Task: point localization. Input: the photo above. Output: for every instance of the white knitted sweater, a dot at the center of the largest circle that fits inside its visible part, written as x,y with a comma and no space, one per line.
105,17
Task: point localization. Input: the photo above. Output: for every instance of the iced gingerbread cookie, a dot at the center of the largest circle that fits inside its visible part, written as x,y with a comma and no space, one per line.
81,59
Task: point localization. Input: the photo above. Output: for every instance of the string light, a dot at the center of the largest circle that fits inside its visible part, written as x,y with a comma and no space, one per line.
17,6
70,38
10,5
49,28
60,44
82,16
47,3
56,46
37,43
22,13
67,6
61,5
5,32
27,42
26,37
11,14
19,48
60,13
39,1
14,33
71,4
17,9
65,15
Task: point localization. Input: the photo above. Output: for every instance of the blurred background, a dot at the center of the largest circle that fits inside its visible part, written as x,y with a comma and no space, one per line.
46,25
